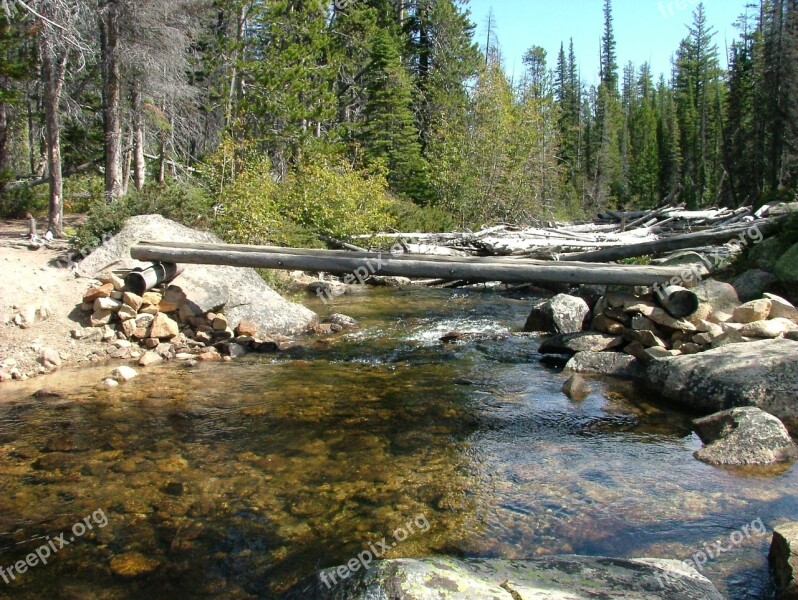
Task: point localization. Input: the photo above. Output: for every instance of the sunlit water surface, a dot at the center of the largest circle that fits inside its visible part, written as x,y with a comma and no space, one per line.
239,479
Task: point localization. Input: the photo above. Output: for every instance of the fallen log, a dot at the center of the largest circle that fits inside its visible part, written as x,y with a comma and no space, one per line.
416,267
686,241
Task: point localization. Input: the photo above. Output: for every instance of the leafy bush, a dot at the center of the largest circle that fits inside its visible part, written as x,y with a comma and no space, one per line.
410,217
336,200
321,196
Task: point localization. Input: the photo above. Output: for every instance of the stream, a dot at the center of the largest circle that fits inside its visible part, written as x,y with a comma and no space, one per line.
236,480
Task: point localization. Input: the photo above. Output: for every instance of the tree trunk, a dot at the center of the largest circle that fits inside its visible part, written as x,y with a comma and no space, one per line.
53,72
139,166
111,92
162,160
127,159
330,261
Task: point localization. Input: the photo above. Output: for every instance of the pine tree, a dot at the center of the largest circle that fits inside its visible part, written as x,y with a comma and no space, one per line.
699,100
609,57
389,133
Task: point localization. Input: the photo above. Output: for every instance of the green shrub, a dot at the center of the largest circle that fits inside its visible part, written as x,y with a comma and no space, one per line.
336,200
183,203
410,217
320,196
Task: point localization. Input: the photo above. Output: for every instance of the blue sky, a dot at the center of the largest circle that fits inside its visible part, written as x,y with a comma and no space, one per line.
646,30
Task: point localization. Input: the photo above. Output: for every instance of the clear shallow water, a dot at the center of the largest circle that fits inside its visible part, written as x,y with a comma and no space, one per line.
240,479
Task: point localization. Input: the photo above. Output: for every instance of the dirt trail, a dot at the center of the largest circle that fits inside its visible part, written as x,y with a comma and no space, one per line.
31,278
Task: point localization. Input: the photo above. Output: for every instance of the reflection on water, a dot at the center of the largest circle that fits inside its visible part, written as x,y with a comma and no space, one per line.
239,479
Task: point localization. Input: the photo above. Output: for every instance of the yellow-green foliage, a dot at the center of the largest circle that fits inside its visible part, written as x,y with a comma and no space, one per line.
336,200
320,196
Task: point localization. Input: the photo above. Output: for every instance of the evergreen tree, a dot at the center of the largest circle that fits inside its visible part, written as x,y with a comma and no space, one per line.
389,133
699,100
609,56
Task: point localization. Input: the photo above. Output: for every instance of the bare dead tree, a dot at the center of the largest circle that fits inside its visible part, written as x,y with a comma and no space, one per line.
59,42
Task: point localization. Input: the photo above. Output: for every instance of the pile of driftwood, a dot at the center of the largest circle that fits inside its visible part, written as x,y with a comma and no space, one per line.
557,253
614,236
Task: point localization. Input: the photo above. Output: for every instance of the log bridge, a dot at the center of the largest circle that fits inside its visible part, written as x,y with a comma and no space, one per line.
473,269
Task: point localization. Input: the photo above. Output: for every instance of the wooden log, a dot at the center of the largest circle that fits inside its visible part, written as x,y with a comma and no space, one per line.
415,267
672,244
678,301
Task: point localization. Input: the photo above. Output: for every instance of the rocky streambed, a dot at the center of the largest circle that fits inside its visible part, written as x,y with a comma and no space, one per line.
240,480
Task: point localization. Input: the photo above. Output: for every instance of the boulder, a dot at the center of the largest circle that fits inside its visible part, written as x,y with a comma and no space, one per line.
605,324
720,296
787,268
613,364
728,337
770,329
576,388
246,328
564,577
659,316
123,374
343,321
744,436
762,374
571,343
766,254
150,358
781,308
207,287
101,317
163,327
103,291
756,310
784,560
49,358
560,314
107,304
645,337
132,300
752,284
126,313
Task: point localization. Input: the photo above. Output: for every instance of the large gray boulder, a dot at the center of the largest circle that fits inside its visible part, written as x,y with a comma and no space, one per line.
560,314
752,284
762,374
241,292
744,436
784,560
553,578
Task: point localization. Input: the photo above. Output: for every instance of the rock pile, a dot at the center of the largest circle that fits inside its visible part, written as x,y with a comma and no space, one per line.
628,330
163,324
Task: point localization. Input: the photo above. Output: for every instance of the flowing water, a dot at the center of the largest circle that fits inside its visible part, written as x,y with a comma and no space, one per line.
236,480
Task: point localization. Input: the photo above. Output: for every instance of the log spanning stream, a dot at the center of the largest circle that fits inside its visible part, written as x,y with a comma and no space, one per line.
235,480
475,269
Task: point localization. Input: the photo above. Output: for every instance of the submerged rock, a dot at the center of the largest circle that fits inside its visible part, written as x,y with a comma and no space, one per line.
560,314
762,374
132,564
556,577
744,436
576,388
784,560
